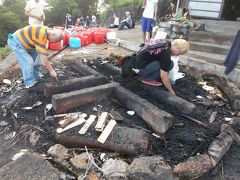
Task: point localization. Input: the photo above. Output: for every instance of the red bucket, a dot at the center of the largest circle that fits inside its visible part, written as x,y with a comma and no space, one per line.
98,37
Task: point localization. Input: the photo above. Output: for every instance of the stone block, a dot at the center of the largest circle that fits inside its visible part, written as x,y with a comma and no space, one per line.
219,147
150,168
29,166
81,161
58,151
115,169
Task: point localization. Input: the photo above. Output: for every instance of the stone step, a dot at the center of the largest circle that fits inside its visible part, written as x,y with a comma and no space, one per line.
201,64
211,37
225,27
209,57
209,47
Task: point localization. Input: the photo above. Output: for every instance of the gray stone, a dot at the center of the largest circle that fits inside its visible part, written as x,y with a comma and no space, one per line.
29,166
176,29
115,169
58,151
184,31
219,147
165,25
174,35
81,161
150,168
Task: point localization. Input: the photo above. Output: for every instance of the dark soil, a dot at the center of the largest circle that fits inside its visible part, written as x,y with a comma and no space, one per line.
182,140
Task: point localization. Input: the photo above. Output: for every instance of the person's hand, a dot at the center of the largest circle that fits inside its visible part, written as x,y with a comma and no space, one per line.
172,91
154,18
53,74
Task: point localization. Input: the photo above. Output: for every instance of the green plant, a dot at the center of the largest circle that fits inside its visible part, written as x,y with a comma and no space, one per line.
4,52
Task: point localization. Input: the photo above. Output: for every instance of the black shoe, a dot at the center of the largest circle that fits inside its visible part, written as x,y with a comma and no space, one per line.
142,45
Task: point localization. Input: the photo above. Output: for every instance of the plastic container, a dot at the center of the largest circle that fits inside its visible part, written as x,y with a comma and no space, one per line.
66,38
98,37
55,45
111,35
74,42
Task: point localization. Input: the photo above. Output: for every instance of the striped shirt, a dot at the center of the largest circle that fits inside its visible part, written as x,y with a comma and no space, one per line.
34,37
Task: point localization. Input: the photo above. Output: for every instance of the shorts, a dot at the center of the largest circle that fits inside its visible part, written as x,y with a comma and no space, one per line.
147,24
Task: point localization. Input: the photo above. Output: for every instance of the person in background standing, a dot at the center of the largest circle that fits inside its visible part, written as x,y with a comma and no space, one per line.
34,10
87,22
81,21
148,18
68,21
94,21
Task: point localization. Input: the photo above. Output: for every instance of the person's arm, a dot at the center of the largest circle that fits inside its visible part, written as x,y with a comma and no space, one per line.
49,67
166,81
155,11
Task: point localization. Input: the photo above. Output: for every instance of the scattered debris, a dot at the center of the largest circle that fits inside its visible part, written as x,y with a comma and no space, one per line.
47,109
88,123
18,155
68,120
131,113
7,81
212,117
116,169
101,121
3,123
195,120
78,122
149,167
38,103
116,115
227,119
106,132
58,151
9,136
103,157
34,137
82,161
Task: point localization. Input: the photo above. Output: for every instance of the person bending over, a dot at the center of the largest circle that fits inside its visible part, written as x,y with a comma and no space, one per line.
29,46
153,64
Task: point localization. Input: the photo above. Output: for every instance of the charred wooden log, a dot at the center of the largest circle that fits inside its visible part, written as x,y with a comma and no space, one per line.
160,121
171,100
122,139
73,84
66,101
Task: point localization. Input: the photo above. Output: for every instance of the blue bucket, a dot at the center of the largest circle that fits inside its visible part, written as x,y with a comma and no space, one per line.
74,42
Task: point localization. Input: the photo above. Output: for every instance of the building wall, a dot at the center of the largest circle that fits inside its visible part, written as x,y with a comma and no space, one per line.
206,8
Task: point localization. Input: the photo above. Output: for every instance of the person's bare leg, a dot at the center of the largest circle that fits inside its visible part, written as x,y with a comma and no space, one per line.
144,37
148,36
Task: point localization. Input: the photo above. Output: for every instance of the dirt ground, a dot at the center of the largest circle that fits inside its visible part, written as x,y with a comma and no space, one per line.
184,138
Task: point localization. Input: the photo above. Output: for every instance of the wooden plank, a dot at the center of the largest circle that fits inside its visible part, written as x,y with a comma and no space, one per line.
78,122
164,97
101,121
88,123
160,121
73,84
84,69
106,132
123,140
71,118
213,117
66,101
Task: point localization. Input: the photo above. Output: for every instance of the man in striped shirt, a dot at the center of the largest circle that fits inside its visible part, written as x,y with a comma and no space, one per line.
29,46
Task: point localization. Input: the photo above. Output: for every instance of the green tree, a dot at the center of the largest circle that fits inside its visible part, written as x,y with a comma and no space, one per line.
9,22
